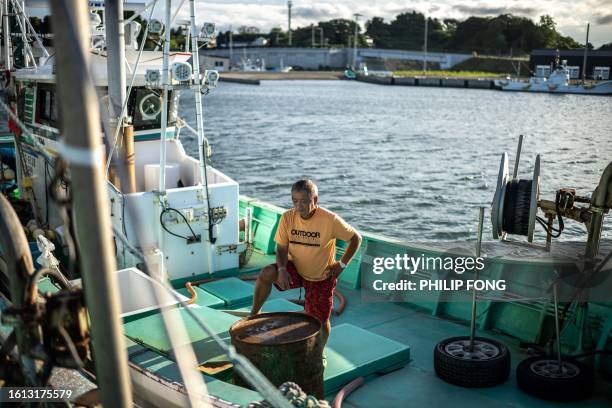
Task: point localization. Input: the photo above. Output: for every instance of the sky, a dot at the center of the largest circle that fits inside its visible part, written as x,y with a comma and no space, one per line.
571,16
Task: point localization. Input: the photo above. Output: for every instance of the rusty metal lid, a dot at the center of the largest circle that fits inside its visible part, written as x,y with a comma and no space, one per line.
275,328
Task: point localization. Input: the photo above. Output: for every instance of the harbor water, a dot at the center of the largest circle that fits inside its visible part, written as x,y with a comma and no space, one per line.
408,162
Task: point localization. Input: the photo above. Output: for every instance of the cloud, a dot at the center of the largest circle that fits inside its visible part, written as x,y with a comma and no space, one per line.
491,10
605,19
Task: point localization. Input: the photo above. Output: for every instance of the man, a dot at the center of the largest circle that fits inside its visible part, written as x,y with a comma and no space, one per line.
306,254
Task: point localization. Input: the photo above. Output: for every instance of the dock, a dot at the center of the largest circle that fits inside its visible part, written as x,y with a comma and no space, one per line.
444,82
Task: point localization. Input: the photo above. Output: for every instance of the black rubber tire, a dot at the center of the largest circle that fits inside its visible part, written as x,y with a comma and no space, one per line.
555,389
472,373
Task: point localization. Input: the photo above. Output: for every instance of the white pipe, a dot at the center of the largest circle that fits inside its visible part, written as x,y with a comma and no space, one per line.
247,225
195,55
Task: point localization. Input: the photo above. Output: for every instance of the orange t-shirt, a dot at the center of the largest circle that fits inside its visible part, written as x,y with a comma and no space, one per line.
312,242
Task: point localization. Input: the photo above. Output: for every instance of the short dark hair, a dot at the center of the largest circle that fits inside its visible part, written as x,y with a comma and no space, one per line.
307,186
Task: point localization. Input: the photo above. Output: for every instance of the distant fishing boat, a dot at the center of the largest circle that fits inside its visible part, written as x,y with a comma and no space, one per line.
557,82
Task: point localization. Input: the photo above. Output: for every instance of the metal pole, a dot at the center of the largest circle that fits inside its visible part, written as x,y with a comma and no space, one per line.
164,112
518,157
597,208
321,37
82,145
586,50
478,251
557,335
187,40
231,52
26,45
312,44
289,4
198,96
115,65
7,36
425,47
355,41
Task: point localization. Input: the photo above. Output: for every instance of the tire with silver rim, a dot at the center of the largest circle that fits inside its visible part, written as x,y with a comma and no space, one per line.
486,364
543,378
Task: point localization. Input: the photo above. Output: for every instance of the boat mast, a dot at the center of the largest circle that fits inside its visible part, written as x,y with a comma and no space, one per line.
82,150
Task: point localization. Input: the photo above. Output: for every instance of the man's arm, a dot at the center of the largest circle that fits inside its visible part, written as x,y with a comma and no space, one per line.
354,244
282,257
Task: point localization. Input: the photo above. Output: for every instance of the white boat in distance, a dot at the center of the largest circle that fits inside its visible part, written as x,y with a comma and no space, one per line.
557,82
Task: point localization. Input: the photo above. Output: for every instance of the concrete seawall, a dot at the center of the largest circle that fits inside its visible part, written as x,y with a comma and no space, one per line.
478,83
254,78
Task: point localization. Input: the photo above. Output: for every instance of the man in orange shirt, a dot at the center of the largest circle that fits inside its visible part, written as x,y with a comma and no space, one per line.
306,254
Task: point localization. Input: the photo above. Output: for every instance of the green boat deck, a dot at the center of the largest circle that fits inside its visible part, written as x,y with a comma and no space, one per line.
390,342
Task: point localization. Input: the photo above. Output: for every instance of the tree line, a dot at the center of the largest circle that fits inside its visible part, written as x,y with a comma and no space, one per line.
502,35
505,34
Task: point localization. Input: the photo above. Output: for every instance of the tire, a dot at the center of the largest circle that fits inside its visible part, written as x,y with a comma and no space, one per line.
488,367
576,385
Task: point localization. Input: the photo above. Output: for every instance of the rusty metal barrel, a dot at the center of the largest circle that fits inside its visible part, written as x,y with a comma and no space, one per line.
284,346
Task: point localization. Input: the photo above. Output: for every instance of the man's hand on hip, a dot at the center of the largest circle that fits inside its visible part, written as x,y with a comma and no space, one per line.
284,280
334,270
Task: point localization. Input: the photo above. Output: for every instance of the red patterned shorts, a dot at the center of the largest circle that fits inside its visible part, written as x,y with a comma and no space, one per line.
319,294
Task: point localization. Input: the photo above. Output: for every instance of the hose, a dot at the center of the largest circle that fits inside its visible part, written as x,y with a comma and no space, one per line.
346,390
192,292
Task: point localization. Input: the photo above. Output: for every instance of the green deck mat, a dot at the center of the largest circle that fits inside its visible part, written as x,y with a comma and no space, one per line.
204,298
233,291
168,369
150,331
277,305
353,352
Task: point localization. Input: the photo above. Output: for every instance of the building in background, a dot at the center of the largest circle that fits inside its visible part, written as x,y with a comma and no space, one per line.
598,66
209,61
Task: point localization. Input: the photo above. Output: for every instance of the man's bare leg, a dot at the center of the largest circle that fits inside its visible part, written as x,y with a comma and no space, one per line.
263,286
325,329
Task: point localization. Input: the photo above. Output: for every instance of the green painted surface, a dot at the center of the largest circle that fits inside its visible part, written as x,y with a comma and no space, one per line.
150,331
355,352
265,222
233,291
204,298
168,369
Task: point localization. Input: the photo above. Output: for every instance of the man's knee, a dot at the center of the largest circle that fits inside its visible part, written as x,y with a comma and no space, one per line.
268,275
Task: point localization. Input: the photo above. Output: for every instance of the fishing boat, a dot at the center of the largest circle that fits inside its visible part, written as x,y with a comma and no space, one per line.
557,82
187,247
